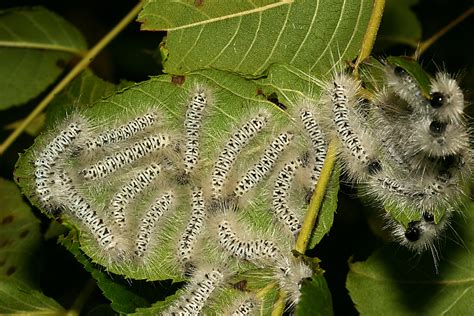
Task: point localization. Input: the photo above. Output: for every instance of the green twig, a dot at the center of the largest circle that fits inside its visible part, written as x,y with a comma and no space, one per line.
316,200
430,41
82,298
279,306
80,66
371,33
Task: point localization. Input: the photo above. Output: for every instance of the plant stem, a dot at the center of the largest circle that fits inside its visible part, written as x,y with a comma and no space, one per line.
316,200
279,306
430,41
81,299
370,34
80,66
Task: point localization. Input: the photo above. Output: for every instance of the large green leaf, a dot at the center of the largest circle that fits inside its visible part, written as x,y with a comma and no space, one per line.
20,241
394,282
171,15
35,46
310,35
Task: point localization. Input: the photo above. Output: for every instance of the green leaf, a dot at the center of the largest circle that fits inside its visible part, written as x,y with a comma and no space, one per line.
315,297
20,237
310,35
393,282
399,25
123,296
18,298
166,15
35,46
20,240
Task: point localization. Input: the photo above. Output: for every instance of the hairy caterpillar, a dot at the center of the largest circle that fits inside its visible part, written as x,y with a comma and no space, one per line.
129,191
46,162
197,292
192,124
147,225
127,156
231,150
264,165
122,132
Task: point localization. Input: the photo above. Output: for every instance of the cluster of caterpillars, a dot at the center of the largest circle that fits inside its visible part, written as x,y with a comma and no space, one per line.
162,192
408,146
151,197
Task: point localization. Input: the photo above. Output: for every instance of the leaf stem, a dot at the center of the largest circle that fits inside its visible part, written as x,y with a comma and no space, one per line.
279,306
371,33
44,46
80,66
81,299
430,41
316,200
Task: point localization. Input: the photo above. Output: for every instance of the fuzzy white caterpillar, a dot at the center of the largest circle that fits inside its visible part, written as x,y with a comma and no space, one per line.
75,203
356,152
422,234
47,160
192,126
265,164
280,195
116,161
194,227
256,249
231,150
147,224
290,273
197,293
129,191
317,140
122,132
245,308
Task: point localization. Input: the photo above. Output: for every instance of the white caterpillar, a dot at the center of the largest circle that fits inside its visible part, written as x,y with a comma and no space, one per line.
290,273
192,125
317,140
231,150
147,225
197,293
265,164
357,154
280,195
421,234
47,160
129,191
194,228
116,161
251,250
81,209
245,308
122,132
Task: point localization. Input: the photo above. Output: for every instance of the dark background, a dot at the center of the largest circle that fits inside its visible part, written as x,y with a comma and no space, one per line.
131,56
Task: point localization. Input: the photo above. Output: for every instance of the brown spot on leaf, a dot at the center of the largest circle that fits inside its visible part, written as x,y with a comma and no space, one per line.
178,80
274,99
10,271
259,91
7,220
24,233
198,3
241,285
